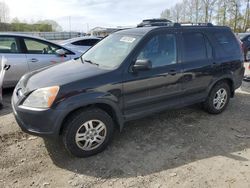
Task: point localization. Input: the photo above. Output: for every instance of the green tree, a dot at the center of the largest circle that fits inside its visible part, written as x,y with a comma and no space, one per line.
54,24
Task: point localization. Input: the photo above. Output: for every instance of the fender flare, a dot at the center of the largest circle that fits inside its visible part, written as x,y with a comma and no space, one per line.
215,81
84,100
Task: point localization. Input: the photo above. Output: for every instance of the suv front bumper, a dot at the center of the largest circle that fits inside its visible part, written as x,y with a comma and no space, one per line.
45,123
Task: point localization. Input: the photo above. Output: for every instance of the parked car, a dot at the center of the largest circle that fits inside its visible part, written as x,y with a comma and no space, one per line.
25,53
247,72
245,39
80,44
128,75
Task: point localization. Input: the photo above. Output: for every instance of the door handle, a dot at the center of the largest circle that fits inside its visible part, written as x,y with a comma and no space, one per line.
172,72
33,60
6,67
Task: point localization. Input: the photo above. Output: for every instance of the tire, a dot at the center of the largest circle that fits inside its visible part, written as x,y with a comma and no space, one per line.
216,108
87,132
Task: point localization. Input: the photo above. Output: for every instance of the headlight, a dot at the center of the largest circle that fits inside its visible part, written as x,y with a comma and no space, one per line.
42,98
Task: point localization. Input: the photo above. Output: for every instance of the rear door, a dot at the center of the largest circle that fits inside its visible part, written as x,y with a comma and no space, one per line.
10,49
197,64
41,53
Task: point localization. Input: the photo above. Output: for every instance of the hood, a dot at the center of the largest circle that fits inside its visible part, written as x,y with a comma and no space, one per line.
61,74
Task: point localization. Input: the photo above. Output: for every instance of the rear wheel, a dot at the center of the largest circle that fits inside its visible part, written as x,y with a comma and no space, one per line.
218,98
88,132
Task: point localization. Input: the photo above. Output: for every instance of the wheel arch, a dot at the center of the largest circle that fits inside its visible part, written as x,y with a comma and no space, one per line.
110,109
228,80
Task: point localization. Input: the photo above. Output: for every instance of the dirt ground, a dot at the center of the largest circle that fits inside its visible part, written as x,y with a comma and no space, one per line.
177,148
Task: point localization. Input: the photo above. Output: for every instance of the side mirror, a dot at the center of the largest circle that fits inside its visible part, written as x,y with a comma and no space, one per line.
60,52
142,64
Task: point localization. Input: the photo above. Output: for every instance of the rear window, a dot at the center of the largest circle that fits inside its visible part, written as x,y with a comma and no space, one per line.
86,42
228,43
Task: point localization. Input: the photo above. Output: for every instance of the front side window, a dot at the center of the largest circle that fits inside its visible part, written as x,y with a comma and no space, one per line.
111,51
194,47
160,50
40,47
8,45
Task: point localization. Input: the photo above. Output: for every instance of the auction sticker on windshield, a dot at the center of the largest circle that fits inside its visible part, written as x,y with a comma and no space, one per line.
127,39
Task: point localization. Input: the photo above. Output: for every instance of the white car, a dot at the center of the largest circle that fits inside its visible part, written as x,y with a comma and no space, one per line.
247,71
80,44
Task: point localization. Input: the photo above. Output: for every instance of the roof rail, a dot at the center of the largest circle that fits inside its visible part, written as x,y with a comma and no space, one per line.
165,22
192,24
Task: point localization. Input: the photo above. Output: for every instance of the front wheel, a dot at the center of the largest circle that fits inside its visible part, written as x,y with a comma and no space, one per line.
88,132
218,98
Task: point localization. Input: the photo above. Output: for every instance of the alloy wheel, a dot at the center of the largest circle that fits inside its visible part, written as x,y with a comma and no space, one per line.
91,135
220,99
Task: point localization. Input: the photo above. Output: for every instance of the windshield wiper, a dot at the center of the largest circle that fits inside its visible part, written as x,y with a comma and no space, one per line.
91,62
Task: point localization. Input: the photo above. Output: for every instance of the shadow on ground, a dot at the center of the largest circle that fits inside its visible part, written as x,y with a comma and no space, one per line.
164,141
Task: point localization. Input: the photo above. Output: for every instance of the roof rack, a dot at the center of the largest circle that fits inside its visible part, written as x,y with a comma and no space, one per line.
192,24
165,22
154,22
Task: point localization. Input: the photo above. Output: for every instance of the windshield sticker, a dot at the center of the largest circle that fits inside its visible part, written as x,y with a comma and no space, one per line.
127,39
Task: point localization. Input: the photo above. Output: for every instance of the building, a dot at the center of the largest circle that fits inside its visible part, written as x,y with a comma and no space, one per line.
103,32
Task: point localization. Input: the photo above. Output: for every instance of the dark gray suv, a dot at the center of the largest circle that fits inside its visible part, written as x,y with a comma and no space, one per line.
129,74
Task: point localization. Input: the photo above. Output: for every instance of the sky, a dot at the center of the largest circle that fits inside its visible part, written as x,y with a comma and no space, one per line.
82,15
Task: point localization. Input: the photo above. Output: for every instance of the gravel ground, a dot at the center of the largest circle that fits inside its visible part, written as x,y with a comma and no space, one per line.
177,148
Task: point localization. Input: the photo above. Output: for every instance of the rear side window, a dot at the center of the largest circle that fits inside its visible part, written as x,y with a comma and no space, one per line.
88,42
228,43
196,47
8,45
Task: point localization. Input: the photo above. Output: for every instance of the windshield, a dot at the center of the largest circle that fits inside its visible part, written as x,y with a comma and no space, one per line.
111,51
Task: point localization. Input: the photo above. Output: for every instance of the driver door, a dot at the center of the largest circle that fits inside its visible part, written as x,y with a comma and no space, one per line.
148,91
41,53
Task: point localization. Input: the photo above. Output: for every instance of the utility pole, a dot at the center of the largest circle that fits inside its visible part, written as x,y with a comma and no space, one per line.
70,26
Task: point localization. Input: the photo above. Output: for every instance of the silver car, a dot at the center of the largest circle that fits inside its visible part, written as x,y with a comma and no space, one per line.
25,53
80,44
